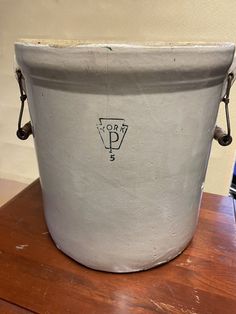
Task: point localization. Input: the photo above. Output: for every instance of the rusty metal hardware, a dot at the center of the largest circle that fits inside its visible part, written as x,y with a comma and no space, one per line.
222,137
22,132
225,138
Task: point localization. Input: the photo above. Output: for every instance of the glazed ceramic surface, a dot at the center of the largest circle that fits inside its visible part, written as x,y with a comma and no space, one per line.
123,135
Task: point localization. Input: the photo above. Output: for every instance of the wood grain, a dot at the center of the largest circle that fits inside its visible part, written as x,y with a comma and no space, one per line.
9,308
36,276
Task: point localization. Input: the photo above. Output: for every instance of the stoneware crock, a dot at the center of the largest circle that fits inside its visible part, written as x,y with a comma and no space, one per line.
123,134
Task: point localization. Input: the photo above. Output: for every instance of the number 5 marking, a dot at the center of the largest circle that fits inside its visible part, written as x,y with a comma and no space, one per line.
112,157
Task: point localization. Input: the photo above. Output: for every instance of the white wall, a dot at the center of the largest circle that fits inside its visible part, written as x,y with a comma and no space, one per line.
152,20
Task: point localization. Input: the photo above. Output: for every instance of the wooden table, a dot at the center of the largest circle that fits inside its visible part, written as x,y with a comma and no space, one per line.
36,277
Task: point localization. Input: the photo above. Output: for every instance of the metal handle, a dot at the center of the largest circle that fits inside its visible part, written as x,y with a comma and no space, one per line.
225,138
222,137
22,132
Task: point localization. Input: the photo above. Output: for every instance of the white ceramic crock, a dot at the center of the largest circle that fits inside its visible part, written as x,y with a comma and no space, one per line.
123,134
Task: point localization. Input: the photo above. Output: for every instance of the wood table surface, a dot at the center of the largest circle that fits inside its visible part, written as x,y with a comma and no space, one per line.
36,277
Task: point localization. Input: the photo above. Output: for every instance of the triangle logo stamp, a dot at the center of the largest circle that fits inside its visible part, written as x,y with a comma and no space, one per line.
112,132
